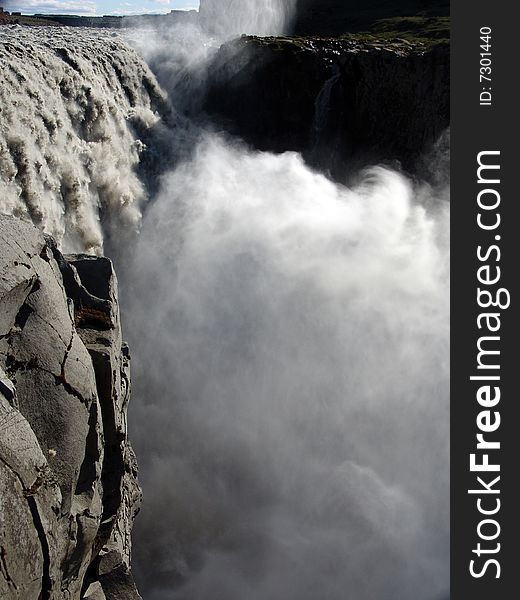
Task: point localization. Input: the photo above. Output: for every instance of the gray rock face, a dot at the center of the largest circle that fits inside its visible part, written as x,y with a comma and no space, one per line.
68,475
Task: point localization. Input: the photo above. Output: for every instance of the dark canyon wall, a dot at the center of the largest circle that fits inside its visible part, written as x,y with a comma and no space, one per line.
342,103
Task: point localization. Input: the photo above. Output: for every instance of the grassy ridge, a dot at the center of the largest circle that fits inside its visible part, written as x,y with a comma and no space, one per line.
403,34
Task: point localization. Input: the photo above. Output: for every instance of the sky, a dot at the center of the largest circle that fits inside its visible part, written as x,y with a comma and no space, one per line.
97,7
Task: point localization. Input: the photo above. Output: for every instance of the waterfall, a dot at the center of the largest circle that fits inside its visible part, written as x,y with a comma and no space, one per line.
322,104
71,109
228,18
289,334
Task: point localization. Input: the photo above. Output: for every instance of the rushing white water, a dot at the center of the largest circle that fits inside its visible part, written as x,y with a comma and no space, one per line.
289,334
70,105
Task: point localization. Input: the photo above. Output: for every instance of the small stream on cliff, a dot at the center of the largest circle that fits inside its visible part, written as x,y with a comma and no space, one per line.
289,334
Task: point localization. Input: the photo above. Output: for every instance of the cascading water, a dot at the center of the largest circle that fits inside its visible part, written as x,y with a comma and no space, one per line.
289,335
229,18
68,149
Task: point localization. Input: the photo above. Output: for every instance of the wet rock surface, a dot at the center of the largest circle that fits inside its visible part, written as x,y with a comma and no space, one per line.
68,475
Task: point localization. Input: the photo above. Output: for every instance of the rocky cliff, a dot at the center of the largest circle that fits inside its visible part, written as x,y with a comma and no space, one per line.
341,102
68,475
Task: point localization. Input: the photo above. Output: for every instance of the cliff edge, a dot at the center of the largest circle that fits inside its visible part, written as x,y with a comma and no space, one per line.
68,475
342,103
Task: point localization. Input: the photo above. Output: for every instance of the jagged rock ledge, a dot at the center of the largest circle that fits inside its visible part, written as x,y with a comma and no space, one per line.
68,475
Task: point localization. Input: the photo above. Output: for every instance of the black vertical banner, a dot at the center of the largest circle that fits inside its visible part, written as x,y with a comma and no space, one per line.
485,363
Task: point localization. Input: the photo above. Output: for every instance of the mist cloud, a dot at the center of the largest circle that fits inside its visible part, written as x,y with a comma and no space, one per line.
229,18
292,374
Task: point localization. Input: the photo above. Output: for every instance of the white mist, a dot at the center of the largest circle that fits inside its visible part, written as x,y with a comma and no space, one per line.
291,366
